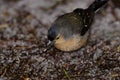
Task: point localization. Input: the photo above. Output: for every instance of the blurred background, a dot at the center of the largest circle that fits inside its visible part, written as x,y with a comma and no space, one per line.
23,37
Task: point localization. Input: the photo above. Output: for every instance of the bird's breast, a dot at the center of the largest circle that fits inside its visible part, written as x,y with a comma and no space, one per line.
71,44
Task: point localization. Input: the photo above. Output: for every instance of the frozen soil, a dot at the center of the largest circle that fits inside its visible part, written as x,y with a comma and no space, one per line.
23,37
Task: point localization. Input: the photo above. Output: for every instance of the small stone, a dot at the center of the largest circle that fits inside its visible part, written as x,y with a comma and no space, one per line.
2,26
97,54
118,48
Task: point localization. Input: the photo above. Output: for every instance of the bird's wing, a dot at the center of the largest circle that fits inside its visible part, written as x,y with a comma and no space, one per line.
87,21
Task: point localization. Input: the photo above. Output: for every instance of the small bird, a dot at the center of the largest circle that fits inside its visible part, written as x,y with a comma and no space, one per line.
71,31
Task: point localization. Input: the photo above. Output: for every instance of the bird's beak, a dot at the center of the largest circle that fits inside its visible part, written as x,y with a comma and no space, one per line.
49,46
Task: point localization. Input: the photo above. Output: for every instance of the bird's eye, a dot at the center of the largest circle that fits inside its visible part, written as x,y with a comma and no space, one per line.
57,38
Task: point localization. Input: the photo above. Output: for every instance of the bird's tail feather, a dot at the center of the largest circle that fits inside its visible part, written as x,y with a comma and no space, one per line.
97,4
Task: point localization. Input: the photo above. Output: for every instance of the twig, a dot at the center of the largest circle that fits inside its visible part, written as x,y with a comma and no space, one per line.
67,75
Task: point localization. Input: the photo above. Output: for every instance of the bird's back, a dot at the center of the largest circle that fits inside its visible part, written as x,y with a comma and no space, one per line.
70,24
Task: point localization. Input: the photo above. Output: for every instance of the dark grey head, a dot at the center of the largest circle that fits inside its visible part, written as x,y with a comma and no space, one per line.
52,33
54,29
65,25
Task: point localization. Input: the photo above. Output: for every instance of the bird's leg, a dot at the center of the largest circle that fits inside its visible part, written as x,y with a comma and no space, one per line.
113,11
89,35
115,15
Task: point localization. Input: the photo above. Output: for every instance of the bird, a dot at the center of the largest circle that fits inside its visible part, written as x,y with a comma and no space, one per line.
71,31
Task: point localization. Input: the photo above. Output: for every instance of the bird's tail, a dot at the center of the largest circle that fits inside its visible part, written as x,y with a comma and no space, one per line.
97,4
